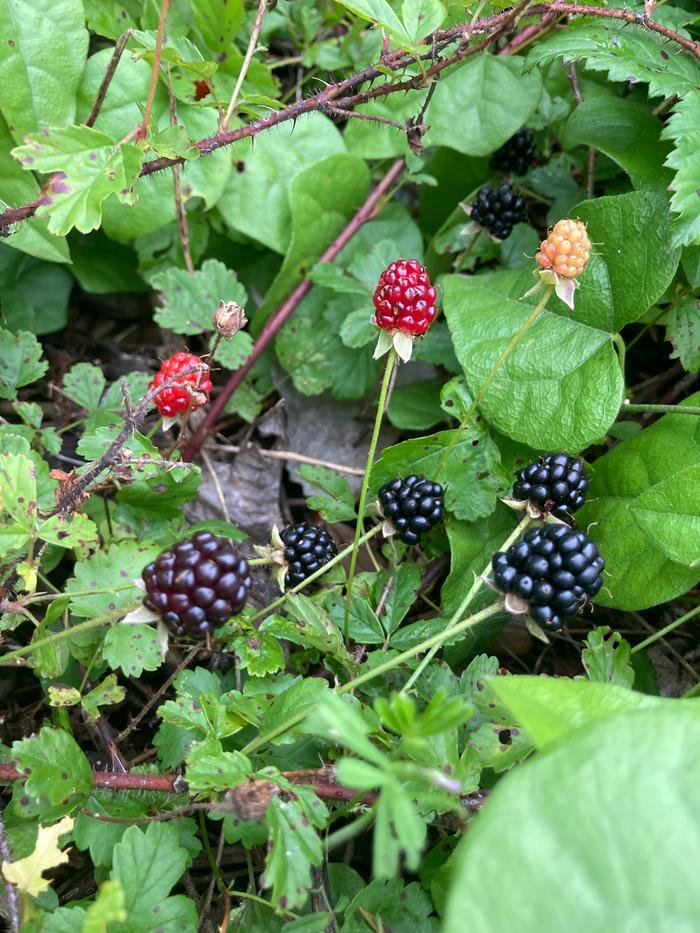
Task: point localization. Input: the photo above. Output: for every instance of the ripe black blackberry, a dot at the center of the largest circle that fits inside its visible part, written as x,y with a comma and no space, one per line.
197,585
306,549
498,210
516,154
552,570
412,505
554,483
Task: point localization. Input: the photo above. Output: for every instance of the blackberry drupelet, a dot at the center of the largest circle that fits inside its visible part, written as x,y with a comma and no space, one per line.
412,505
516,154
554,483
553,569
307,549
498,210
197,585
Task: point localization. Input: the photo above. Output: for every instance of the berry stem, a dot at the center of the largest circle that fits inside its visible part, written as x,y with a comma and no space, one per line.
663,632
381,405
512,343
81,627
314,576
662,409
261,561
459,612
388,665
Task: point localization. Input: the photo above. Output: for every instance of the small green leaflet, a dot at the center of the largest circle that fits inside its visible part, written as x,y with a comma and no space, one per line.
54,765
683,331
189,300
20,362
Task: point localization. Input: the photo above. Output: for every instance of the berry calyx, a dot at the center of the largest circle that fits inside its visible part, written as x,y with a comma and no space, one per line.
553,484
411,507
516,154
188,393
550,573
404,301
498,210
197,585
566,250
307,548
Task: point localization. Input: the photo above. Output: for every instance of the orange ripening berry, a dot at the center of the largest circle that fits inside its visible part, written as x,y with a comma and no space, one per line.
566,250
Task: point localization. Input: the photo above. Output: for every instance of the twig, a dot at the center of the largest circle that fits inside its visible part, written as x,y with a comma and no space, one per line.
330,110
109,74
182,226
250,51
143,129
217,485
529,34
275,322
191,654
13,909
298,458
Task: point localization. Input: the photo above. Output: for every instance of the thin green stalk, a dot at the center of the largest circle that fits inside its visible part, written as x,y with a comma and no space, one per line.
348,832
246,895
466,602
666,629
621,352
314,576
512,343
50,597
261,561
209,854
662,409
105,619
381,404
439,639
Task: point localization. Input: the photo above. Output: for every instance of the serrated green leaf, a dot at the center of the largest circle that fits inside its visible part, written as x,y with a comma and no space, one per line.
309,626
682,128
294,847
339,722
682,328
114,573
90,166
669,515
398,831
20,362
104,694
133,648
54,766
606,658
85,384
259,654
481,104
76,531
300,697
421,17
43,47
339,504
189,299
211,769
381,13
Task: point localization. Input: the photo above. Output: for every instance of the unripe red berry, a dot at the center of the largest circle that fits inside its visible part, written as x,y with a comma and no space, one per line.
404,298
566,250
187,393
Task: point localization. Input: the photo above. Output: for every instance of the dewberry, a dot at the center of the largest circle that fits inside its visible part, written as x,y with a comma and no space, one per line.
187,393
554,483
553,570
566,250
498,210
516,154
198,584
412,505
404,298
307,548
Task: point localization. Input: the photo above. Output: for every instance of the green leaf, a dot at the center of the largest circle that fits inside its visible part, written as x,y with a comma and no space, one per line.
54,766
669,515
480,104
20,362
43,47
18,489
405,909
340,723
591,787
256,199
18,187
133,648
211,769
259,654
381,13
621,283
85,384
398,830
606,658
634,543
294,846
189,300
540,395
339,504
401,595
218,21
90,167
421,17
303,696
147,864
416,407
682,128
109,572
682,325
466,462
309,627
625,131
75,531
104,694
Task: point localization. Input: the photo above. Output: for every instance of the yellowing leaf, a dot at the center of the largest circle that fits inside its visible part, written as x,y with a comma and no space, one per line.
27,873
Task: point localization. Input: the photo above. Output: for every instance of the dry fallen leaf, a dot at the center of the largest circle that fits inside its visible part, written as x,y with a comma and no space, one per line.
27,873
